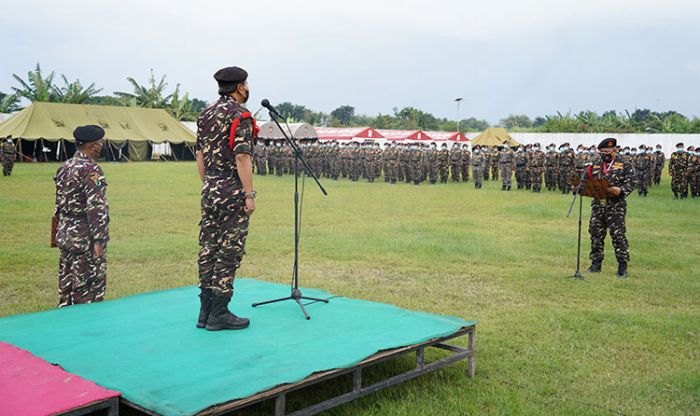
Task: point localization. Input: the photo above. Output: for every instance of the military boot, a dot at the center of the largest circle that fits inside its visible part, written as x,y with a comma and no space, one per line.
621,270
503,187
205,307
675,195
221,318
595,267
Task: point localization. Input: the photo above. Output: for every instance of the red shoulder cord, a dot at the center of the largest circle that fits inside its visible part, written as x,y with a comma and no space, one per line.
234,126
590,172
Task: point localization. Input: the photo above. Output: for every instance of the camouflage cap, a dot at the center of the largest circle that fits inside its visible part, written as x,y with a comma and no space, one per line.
87,134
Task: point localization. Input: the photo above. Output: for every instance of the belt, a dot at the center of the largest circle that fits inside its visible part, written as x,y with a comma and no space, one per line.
609,201
221,174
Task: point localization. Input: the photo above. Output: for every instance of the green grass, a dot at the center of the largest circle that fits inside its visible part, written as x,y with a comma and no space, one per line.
546,344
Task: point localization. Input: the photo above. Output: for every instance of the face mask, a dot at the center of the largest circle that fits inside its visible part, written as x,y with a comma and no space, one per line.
476,150
680,149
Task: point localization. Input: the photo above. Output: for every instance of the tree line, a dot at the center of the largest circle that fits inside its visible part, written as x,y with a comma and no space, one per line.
155,94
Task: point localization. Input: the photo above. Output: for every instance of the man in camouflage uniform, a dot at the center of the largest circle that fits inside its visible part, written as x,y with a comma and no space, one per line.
455,161
82,211
8,153
477,167
430,163
466,163
644,170
485,162
551,165
493,162
537,164
678,168
443,160
694,171
520,167
261,158
609,213
225,134
506,161
659,163
566,168
416,164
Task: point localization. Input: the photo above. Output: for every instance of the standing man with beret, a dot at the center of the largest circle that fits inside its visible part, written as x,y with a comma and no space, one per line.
610,212
83,221
224,149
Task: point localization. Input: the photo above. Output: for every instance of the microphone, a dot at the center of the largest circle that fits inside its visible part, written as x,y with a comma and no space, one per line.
266,103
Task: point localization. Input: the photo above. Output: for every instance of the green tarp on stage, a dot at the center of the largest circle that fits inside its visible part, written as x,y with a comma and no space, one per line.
147,347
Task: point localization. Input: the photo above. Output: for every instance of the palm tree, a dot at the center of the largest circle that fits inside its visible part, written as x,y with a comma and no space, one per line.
74,93
8,103
181,108
36,88
151,96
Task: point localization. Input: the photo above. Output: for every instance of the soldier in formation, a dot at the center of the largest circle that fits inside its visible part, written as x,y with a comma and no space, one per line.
466,163
678,168
478,166
82,215
417,163
8,153
506,161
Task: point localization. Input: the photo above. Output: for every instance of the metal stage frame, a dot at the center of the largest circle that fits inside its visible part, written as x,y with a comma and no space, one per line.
279,393
111,404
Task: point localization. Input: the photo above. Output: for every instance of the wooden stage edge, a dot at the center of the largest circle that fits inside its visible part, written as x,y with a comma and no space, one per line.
279,393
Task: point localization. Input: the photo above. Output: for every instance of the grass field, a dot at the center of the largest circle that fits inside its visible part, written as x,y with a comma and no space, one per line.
546,344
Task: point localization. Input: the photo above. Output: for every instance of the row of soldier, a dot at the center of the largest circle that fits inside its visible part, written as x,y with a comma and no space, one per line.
532,166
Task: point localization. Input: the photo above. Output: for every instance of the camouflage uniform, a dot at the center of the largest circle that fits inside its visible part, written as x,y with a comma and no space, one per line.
224,224
537,163
694,173
466,162
550,172
455,162
678,168
83,219
610,213
443,161
506,163
643,171
659,162
405,166
485,163
430,164
520,168
8,153
566,170
416,166
477,168
493,163
261,158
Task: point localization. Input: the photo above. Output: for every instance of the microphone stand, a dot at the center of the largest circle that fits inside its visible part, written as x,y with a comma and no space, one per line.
298,156
577,191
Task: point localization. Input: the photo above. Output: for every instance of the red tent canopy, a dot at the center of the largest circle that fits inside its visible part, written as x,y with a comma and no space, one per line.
347,133
453,136
395,135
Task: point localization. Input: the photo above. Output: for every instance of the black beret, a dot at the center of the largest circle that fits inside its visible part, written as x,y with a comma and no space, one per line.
230,75
89,133
608,143
679,144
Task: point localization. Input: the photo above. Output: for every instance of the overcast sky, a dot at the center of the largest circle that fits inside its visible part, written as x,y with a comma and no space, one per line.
503,56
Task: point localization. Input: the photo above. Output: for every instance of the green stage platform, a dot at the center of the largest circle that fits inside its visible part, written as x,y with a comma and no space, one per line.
147,347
